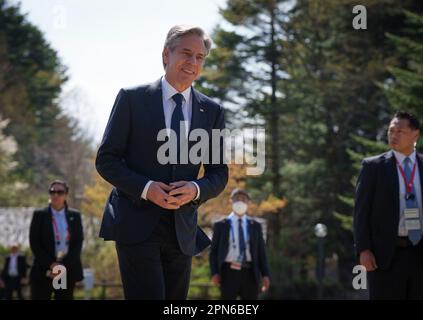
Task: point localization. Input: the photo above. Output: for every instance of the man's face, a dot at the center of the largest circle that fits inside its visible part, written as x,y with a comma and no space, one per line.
57,195
185,62
401,137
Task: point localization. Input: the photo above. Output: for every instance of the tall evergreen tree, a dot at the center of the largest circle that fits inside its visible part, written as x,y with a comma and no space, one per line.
31,79
327,99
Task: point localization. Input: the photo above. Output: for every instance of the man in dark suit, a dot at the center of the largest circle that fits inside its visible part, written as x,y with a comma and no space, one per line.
152,210
55,237
388,215
238,260
13,273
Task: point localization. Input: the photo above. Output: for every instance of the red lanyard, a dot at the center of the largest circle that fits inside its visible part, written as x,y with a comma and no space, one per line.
408,184
56,231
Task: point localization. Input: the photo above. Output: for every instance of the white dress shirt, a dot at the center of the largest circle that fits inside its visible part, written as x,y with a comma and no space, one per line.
13,265
233,250
62,227
168,107
402,232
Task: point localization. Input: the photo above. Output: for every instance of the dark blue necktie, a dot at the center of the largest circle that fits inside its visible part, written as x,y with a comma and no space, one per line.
413,235
241,241
177,117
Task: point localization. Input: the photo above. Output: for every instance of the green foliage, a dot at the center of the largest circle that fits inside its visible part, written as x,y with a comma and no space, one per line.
200,284
406,91
314,82
50,143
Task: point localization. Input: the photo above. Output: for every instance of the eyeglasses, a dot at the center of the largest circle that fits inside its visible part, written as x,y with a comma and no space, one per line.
58,192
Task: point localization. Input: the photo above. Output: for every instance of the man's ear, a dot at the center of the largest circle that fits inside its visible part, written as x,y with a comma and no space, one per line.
417,134
165,55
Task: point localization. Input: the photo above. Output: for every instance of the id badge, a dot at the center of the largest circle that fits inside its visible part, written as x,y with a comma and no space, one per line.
411,213
235,265
412,224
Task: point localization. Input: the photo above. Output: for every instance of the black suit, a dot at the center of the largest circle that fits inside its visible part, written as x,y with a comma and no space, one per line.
127,158
246,282
376,220
13,283
42,242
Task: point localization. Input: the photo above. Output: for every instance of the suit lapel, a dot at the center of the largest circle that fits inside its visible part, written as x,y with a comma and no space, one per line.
69,221
50,228
393,180
420,164
199,116
226,232
252,238
155,106
199,112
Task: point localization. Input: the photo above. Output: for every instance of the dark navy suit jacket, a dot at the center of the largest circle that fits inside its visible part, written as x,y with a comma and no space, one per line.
21,266
127,158
220,247
376,212
41,240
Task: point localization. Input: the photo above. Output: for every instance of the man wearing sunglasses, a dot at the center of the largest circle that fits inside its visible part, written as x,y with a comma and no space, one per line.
55,237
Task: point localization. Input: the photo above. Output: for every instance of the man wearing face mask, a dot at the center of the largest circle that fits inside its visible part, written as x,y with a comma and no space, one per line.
238,260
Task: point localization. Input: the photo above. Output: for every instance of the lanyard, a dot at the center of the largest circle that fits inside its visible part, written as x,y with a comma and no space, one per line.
408,184
56,231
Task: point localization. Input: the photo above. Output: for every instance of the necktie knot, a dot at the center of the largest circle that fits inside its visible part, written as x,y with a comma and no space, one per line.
178,98
407,160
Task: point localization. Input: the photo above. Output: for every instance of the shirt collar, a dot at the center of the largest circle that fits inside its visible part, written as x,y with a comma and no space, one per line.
234,218
169,91
400,157
61,212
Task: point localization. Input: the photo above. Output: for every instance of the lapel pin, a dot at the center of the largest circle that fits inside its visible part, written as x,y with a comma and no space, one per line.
201,109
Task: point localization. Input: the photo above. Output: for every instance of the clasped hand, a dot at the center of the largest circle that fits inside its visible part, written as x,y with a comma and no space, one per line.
173,195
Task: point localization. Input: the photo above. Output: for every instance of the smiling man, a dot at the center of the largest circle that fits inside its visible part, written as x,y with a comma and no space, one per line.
388,215
152,210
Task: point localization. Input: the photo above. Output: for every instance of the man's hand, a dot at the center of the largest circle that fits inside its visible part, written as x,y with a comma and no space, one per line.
158,194
185,191
216,280
367,259
265,284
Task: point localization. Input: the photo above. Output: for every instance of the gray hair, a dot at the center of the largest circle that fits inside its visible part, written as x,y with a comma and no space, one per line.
177,32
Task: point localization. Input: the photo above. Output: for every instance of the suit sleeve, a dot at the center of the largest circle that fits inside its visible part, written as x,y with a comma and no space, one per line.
215,175
35,234
213,257
78,238
110,162
363,207
263,263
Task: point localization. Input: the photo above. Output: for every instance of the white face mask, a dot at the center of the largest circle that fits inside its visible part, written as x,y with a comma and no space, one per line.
239,207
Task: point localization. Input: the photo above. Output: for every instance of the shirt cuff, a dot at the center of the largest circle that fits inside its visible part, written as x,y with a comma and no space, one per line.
198,190
144,192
